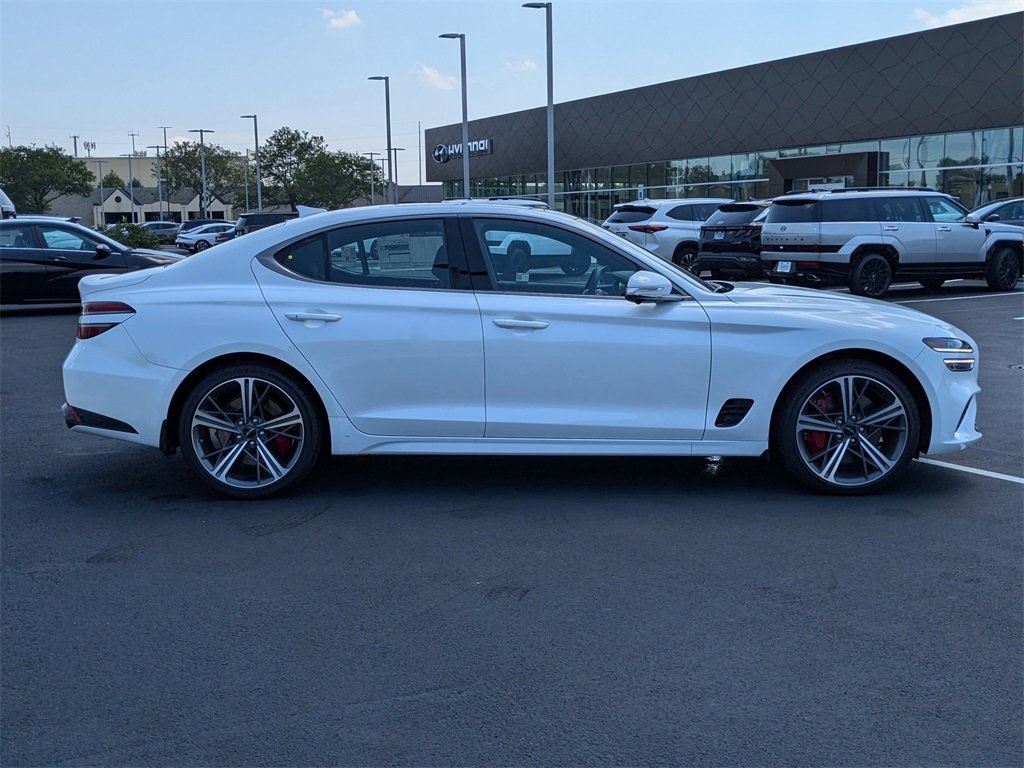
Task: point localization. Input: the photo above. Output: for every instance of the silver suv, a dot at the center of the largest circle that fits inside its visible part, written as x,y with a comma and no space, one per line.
867,238
667,228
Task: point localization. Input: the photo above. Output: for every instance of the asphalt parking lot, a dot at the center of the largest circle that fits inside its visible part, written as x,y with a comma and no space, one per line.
497,611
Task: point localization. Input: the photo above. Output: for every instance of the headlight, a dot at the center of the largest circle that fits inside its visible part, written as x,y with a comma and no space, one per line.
948,345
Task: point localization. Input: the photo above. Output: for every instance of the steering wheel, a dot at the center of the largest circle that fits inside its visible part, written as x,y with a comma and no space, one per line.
594,280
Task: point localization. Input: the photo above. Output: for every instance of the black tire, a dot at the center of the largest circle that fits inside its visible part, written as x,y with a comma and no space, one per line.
871,276
686,257
250,431
202,245
932,283
846,427
1002,271
518,260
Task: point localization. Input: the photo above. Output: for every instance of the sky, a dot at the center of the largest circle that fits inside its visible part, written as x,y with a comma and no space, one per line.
103,69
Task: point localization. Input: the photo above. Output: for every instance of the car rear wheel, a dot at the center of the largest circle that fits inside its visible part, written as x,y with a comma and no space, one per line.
1003,269
202,245
847,427
249,431
871,276
686,257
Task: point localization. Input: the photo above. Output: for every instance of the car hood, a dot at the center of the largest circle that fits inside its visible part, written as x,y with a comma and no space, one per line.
830,306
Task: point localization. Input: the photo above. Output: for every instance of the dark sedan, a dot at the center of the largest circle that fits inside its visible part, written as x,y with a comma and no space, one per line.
42,258
1004,211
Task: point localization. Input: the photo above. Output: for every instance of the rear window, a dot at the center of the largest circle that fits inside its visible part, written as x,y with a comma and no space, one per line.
631,214
734,214
793,211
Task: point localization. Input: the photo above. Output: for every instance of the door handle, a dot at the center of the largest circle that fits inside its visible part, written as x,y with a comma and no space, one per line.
891,228
58,258
323,317
945,229
532,325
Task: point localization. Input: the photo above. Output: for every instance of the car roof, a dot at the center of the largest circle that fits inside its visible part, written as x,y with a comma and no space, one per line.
662,201
822,194
42,217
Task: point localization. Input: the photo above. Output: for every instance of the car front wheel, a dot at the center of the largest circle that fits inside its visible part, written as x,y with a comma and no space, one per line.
1003,270
686,257
847,427
250,431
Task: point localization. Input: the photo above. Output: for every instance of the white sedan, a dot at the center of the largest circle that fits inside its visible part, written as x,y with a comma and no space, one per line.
391,330
201,238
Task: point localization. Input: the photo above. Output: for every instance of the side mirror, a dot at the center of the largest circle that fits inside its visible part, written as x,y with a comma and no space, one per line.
102,251
649,286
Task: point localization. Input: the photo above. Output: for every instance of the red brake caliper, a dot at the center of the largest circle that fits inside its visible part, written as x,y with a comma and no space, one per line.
815,440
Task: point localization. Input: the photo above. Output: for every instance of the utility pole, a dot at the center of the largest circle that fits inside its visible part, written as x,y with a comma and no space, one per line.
103,210
165,127
131,189
75,137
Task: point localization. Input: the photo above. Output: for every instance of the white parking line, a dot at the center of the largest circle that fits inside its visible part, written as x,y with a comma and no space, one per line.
973,471
959,298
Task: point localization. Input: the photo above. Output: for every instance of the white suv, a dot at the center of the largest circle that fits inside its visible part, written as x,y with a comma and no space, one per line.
867,238
667,228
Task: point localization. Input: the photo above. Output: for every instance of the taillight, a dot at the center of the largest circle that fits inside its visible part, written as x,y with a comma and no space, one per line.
650,229
100,316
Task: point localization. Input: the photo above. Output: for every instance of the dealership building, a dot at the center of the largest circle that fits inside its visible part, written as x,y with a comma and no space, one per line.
942,108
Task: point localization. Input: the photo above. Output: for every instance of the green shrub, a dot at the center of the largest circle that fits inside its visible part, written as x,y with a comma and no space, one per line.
133,236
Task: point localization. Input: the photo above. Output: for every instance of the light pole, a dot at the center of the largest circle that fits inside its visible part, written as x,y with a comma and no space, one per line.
103,208
245,168
256,139
159,180
387,116
373,172
131,189
465,110
202,169
131,195
551,105
394,158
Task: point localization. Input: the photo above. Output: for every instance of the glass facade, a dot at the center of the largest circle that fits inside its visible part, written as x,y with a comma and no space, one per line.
974,166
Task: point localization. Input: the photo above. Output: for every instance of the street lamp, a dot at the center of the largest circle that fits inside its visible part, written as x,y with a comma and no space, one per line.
103,208
373,172
131,195
159,180
202,169
256,139
465,111
551,106
387,115
394,159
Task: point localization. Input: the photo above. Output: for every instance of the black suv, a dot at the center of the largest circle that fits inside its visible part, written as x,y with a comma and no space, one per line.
250,221
730,240
867,238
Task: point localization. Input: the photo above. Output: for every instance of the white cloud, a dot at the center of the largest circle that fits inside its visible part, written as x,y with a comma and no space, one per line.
341,19
527,65
431,76
969,11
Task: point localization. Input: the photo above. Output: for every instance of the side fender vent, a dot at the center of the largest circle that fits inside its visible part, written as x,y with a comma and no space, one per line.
733,411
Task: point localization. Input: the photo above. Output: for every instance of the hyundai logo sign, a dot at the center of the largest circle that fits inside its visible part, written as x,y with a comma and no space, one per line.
444,152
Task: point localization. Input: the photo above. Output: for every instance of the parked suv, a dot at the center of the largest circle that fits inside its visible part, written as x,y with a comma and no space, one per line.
730,240
250,221
867,238
667,228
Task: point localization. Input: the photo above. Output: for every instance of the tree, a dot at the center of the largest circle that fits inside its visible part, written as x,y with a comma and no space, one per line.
299,169
112,180
181,168
33,177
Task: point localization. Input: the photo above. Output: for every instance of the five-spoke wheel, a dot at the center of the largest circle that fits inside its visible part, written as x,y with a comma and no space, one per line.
847,427
249,430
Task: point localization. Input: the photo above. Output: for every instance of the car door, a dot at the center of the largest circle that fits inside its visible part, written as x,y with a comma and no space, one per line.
71,254
22,264
956,242
904,220
396,338
567,357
